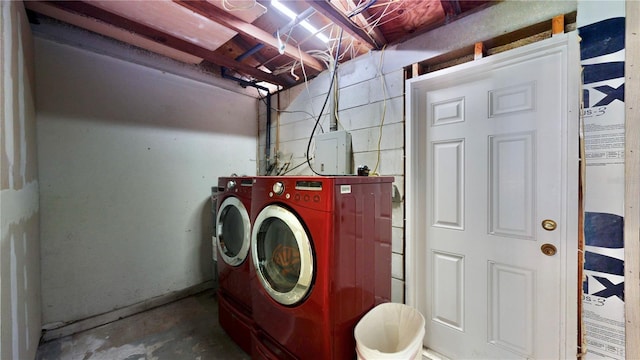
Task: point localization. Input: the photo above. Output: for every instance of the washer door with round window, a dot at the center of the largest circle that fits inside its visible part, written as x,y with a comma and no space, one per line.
282,255
233,231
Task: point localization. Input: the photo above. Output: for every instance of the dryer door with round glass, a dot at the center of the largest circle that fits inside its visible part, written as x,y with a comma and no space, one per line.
281,252
233,231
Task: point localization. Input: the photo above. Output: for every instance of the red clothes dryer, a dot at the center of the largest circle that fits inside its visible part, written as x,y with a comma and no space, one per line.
321,249
233,238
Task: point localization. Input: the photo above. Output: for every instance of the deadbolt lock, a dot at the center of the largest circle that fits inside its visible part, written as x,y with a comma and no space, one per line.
549,225
548,249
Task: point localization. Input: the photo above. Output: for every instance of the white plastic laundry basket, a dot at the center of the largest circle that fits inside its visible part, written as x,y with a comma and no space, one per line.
390,331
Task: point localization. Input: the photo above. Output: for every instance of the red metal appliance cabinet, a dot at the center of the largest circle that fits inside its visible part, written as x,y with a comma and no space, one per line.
233,233
342,230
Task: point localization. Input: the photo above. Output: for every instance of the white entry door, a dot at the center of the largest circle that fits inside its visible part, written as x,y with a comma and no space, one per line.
492,215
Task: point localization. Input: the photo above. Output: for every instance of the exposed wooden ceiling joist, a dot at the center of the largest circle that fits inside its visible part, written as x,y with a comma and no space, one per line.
238,35
451,9
240,9
169,40
337,17
111,31
261,36
170,18
361,20
457,9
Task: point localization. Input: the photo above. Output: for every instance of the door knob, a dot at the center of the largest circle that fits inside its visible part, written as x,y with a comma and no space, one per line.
548,249
549,225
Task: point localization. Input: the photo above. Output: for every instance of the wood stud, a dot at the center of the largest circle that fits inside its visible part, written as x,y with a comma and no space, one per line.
515,39
557,25
632,182
478,51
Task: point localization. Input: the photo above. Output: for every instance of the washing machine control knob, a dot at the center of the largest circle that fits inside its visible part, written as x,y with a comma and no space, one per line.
231,184
278,188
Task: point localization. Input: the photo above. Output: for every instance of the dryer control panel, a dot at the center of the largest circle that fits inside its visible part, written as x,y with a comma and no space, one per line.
240,186
311,193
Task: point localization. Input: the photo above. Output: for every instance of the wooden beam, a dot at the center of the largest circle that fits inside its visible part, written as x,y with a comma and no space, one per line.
337,17
448,19
171,18
581,340
376,34
632,181
557,25
451,9
415,70
109,30
361,21
478,51
221,17
160,37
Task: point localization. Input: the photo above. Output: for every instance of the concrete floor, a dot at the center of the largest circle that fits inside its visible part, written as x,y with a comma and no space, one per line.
185,329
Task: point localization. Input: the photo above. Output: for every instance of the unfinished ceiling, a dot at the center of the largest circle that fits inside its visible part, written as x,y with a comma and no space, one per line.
270,43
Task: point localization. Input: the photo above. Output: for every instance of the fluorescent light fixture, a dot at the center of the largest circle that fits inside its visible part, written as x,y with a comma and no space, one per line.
283,9
292,15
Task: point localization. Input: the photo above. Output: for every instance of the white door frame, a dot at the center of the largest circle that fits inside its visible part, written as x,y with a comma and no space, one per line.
414,259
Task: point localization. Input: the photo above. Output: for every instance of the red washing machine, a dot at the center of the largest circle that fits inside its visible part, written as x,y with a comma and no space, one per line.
233,234
321,249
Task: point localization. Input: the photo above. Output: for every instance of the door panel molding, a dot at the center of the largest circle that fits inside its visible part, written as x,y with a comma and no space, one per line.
417,201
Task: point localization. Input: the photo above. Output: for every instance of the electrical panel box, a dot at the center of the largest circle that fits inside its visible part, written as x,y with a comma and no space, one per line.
333,153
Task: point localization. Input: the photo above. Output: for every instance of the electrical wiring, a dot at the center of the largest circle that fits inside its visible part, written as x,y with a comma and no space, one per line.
362,6
406,10
354,51
336,96
309,37
380,22
282,45
325,56
384,3
326,59
293,73
322,56
313,116
335,68
345,51
379,18
283,69
330,49
317,54
261,98
384,109
331,57
331,61
306,80
284,167
295,167
351,10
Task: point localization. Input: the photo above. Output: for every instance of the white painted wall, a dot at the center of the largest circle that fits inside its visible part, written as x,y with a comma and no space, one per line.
127,158
19,218
364,99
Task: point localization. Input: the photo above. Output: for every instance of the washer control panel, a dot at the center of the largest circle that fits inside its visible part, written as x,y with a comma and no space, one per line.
304,191
278,188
